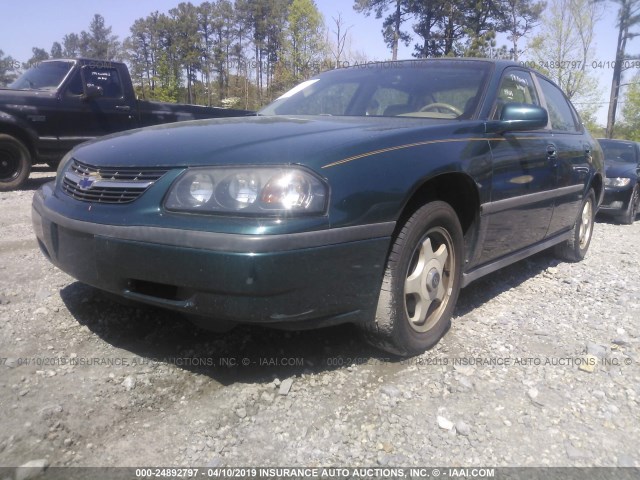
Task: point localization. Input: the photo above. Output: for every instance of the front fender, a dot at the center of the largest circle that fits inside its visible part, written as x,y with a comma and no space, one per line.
377,187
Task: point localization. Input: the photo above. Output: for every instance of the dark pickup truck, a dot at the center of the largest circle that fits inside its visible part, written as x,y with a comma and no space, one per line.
58,104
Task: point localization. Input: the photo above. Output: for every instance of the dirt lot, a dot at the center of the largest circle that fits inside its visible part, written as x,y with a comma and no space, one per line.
541,367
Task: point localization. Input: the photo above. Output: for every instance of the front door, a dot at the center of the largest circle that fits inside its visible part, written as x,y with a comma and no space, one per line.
86,118
524,177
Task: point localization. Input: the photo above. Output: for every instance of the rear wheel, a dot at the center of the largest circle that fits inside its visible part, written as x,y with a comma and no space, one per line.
575,249
632,210
15,163
421,282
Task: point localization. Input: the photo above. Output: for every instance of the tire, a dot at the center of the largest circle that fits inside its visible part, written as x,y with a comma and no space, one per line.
15,163
421,282
575,249
632,210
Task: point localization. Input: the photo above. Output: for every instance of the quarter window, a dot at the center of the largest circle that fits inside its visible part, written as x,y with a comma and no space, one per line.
560,112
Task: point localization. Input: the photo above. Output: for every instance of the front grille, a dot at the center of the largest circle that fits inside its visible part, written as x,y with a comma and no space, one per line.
110,184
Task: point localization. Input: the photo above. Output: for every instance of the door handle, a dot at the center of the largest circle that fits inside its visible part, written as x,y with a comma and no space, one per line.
123,108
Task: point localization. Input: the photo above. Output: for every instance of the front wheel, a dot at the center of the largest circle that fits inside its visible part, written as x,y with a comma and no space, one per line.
632,210
15,163
421,282
575,248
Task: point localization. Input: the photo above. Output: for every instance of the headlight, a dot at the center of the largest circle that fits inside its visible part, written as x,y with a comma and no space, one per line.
617,182
200,189
252,191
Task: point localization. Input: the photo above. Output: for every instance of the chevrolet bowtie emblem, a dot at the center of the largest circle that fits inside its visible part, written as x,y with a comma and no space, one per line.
85,183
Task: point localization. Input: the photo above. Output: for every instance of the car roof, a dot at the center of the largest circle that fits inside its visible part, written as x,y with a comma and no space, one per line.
413,61
85,61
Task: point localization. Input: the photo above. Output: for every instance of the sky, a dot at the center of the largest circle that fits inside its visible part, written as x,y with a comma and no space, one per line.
38,23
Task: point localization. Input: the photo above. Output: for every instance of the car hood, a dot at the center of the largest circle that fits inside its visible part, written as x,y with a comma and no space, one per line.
620,169
13,95
17,105
312,141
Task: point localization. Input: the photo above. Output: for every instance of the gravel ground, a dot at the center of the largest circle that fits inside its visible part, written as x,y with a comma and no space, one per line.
540,368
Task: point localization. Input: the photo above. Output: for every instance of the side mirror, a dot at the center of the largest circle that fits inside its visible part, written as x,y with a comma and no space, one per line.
91,91
518,117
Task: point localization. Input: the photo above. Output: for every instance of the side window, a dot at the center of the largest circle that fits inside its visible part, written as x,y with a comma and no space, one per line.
560,112
107,78
516,87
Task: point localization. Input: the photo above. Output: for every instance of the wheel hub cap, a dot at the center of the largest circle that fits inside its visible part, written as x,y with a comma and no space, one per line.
424,284
585,225
433,280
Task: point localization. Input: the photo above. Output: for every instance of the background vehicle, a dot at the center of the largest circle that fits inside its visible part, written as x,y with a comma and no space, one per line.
366,195
622,182
58,104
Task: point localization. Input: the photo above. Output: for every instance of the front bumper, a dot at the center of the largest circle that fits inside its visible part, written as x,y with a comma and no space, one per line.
616,199
325,277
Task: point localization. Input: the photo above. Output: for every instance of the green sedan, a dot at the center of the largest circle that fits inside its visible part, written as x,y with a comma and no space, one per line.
369,195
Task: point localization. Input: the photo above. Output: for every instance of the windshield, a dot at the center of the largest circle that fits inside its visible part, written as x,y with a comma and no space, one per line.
426,89
43,76
619,151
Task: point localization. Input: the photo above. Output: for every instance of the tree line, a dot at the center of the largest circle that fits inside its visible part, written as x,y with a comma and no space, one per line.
233,54
461,28
245,53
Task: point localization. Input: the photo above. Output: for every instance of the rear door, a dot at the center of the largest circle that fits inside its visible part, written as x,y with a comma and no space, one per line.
572,156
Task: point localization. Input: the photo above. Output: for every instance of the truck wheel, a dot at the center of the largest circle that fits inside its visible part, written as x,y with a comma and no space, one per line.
574,249
632,210
421,282
15,163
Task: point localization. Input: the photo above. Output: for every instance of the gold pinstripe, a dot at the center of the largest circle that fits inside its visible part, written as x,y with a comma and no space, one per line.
418,144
